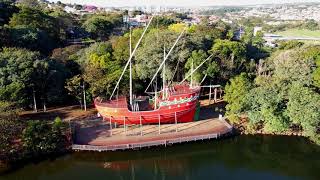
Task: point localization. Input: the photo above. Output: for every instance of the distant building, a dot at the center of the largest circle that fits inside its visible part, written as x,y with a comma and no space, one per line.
137,21
213,19
256,30
69,9
90,8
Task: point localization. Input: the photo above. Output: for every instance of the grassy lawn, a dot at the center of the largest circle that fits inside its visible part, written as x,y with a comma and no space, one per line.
299,33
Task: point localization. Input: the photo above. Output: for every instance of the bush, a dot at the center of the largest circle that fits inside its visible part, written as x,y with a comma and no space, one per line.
10,129
43,138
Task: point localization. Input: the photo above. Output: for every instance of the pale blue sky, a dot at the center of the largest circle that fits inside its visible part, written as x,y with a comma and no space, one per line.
179,2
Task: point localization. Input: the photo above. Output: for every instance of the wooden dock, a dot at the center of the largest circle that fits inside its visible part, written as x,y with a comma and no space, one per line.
98,136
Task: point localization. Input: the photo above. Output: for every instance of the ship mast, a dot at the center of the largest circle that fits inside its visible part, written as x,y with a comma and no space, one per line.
128,62
191,73
130,41
166,57
164,74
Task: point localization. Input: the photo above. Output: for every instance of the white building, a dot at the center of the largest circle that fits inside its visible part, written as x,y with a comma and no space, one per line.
69,9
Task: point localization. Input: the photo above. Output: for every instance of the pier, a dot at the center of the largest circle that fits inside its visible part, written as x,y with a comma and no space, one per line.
97,135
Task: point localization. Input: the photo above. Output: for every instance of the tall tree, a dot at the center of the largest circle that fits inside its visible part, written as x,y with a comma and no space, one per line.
231,57
235,95
100,70
18,67
74,86
303,109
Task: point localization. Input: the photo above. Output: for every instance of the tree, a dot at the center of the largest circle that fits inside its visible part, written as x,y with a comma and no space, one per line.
65,22
303,109
218,30
150,55
30,3
30,38
313,53
312,25
7,9
289,66
100,70
11,129
120,45
74,86
33,18
235,95
284,95
208,69
42,138
316,76
266,106
248,35
162,22
67,57
258,40
66,54
99,27
35,25
178,28
231,57
17,67
285,45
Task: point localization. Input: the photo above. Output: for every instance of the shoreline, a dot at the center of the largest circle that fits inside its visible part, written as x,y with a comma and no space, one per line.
242,129
297,134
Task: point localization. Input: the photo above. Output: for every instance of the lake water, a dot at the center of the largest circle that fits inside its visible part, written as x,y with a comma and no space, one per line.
242,157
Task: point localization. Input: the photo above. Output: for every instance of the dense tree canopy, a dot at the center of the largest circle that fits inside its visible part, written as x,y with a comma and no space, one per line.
236,92
42,138
18,69
283,96
100,70
101,26
303,109
7,9
34,29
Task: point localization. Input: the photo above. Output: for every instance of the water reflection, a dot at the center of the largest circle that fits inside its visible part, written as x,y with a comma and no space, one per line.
250,157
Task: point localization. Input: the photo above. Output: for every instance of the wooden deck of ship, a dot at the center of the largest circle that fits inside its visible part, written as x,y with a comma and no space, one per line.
96,135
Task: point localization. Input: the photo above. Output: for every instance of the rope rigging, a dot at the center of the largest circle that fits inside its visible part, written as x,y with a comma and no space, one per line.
130,58
166,57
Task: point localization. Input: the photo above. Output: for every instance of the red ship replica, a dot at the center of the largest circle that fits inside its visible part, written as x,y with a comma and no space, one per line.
172,104
180,105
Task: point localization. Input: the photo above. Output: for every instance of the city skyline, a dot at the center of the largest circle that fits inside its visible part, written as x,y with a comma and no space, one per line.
119,3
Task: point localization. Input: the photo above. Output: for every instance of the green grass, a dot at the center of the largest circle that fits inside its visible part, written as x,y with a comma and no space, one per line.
299,33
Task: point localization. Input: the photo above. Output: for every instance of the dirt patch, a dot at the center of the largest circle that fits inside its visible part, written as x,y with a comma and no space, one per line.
66,113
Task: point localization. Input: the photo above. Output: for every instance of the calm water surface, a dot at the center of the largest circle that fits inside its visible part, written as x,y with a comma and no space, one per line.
243,157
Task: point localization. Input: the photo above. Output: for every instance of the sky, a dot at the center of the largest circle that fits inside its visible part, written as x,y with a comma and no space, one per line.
105,3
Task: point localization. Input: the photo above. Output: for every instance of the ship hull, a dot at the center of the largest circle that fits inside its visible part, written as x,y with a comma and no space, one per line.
178,108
